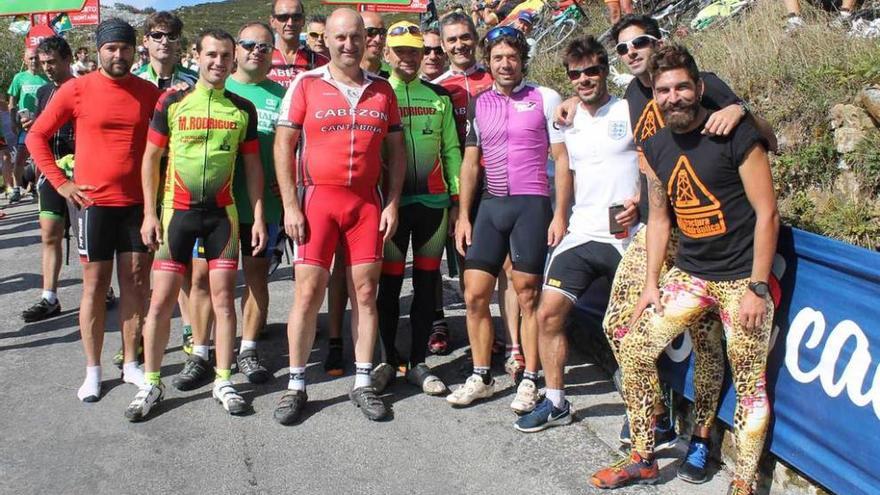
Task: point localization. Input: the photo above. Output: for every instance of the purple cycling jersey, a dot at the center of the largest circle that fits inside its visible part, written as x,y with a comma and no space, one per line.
514,134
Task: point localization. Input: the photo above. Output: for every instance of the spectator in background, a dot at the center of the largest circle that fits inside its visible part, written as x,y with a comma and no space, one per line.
315,35
80,67
91,66
143,58
434,61
376,33
22,106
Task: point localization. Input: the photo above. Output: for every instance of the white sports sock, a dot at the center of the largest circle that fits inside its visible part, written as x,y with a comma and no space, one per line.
247,345
202,351
90,390
297,379
131,373
557,397
50,296
362,375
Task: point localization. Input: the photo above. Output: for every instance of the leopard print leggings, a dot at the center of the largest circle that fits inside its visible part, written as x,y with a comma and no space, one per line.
705,332
685,300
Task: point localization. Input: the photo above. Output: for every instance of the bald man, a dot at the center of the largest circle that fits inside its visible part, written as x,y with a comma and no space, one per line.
345,116
372,61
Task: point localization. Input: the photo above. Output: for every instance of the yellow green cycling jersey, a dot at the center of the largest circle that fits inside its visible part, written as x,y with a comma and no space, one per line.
433,152
204,129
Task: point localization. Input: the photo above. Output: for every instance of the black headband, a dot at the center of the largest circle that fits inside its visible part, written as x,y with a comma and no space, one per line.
113,30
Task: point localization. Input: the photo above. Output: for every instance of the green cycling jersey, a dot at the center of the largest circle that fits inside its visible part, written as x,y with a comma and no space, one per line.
204,129
433,153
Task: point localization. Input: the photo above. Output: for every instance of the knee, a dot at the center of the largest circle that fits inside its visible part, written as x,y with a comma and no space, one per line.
476,301
527,297
365,293
549,319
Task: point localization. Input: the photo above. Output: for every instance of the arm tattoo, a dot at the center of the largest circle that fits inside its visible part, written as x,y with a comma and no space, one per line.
656,193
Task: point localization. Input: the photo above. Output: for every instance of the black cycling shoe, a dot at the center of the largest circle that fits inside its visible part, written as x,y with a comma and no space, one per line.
41,310
195,373
370,404
110,300
290,406
250,367
334,363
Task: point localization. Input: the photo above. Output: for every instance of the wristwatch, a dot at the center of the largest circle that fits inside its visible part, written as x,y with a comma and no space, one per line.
761,289
744,107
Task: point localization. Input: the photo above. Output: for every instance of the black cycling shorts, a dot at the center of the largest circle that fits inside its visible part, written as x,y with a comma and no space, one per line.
52,205
216,230
574,267
103,231
511,224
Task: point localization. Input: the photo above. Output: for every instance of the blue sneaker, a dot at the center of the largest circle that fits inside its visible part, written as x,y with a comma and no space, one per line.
544,415
693,468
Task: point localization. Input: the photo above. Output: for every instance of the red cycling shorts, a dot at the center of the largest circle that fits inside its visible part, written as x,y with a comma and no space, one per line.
341,215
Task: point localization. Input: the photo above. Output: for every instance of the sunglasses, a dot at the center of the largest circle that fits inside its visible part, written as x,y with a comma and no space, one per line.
591,71
500,31
636,43
436,50
376,31
284,18
159,35
251,45
315,35
402,30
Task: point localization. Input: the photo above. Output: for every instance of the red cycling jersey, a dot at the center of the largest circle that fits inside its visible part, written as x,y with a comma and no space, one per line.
342,127
284,72
463,86
111,119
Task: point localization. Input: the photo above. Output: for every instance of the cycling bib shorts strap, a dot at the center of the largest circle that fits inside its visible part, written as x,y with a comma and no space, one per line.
104,231
575,264
53,206
512,224
244,239
340,215
216,230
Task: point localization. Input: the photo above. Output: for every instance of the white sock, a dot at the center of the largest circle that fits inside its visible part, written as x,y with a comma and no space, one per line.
50,296
362,375
202,351
557,397
90,390
131,373
297,379
247,345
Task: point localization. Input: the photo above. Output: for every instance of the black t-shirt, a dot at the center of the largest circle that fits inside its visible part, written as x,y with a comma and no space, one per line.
62,143
646,118
701,176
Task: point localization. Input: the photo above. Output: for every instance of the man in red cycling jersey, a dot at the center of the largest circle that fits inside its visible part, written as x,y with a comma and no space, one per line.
345,117
111,133
290,58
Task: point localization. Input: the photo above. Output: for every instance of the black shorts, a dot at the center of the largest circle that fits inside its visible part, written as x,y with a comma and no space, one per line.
574,267
103,231
511,224
52,205
216,229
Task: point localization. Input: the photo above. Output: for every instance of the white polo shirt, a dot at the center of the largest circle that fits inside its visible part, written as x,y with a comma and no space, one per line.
602,155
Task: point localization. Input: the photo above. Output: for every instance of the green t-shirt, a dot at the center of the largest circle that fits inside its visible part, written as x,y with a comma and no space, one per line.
266,97
24,89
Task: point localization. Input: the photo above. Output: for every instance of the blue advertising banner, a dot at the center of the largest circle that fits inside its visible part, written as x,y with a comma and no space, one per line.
823,375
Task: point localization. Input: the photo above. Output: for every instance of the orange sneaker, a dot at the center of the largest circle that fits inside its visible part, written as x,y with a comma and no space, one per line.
739,487
627,471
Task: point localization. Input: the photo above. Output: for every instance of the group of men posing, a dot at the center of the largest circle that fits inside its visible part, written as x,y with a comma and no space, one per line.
354,167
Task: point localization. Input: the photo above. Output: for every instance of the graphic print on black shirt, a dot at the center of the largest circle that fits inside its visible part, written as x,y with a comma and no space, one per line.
701,176
647,119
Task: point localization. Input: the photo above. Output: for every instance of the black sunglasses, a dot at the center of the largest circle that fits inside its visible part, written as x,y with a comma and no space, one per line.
637,43
251,45
376,31
401,30
284,18
158,35
436,50
591,71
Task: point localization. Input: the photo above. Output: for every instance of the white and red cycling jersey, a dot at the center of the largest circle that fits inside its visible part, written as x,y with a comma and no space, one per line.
284,71
464,86
342,127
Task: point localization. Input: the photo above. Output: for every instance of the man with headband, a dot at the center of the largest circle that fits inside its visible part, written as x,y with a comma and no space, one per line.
111,111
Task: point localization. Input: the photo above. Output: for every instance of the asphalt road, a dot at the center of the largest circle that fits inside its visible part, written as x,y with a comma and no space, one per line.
54,444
